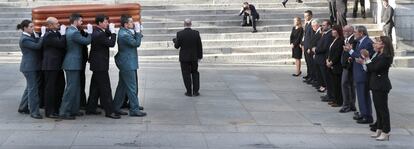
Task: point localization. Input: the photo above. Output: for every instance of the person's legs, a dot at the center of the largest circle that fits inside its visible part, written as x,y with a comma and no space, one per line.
120,94
195,75
130,86
33,81
186,73
71,94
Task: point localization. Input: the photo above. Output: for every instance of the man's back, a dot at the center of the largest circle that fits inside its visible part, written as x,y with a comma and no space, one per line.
190,45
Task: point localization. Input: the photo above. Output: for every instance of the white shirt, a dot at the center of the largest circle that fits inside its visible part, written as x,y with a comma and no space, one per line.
27,34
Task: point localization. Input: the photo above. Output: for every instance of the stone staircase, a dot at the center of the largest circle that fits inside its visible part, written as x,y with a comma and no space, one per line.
224,40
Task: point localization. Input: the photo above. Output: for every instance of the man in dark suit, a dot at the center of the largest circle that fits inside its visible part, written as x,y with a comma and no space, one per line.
356,8
102,39
250,15
307,48
360,76
54,49
341,10
191,51
320,57
348,89
387,18
315,75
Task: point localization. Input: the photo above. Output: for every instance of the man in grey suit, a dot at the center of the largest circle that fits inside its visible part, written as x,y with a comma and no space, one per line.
72,64
129,39
387,18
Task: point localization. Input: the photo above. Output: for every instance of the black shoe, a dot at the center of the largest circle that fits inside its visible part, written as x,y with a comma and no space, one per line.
113,116
373,125
67,117
121,113
254,31
196,94
364,121
36,116
141,108
373,129
357,117
306,77
77,114
93,112
284,4
345,110
353,109
299,1
138,114
54,116
187,94
296,75
26,111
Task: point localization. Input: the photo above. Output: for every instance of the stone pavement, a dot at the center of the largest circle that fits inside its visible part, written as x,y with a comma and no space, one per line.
240,107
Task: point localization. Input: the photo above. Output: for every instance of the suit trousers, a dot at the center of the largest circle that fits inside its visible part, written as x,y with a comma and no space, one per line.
127,86
322,75
71,96
336,87
54,86
362,6
191,76
387,29
309,63
332,11
380,99
252,19
348,89
100,88
329,84
364,99
341,13
30,97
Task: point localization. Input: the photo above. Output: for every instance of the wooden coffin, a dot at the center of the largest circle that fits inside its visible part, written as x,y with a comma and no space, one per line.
88,11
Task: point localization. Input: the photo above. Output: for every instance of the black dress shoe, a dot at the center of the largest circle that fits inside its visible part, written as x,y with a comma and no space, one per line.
113,116
196,94
299,1
357,117
26,111
345,110
36,116
187,94
77,114
121,113
365,121
141,108
54,116
138,114
67,117
93,112
254,31
353,109
306,77
284,4
373,125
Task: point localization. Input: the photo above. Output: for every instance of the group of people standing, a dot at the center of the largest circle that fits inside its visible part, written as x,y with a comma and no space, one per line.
347,64
61,52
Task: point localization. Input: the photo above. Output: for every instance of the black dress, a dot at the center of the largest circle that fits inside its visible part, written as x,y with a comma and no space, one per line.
296,39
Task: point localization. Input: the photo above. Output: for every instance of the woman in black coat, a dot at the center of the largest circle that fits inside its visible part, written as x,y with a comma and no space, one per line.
333,63
295,40
378,67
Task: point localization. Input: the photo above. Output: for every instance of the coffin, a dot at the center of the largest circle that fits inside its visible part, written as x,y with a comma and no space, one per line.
88,11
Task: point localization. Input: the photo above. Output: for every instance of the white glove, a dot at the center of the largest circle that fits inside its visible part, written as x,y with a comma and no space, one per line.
137,27
89,28
35,34
112,28
43,31
62,30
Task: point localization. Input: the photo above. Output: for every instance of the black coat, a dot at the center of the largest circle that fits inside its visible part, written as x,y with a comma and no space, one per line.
315,38
322,48
189,42
378,70
54,49
335,52
345,55
308,34
99,54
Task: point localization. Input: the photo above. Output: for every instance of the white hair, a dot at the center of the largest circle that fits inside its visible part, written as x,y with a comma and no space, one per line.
187,22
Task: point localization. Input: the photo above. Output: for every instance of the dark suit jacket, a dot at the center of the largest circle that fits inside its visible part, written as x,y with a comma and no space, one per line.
378,69
99,54
315,38
308,36
345,55
335,52
54,49
322,48
190,45
252,9
358,71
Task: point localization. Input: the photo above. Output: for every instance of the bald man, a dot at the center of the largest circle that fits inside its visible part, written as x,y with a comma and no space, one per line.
191,51
54,44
